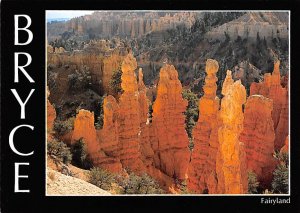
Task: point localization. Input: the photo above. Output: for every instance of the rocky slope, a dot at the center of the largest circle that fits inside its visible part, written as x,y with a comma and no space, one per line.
59,184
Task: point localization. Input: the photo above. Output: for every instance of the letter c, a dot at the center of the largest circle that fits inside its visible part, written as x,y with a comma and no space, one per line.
11,140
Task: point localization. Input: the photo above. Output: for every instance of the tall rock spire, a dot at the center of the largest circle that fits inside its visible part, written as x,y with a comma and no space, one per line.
129,117
202,168
171,150
231,160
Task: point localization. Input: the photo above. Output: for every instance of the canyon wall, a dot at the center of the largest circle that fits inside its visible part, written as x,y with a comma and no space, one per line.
107,24
267,25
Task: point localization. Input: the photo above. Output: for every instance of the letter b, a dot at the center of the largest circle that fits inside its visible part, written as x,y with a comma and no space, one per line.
17,29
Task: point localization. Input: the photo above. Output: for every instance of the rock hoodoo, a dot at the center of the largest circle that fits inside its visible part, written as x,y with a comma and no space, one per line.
171,152
202,168
231,159
130,118
258,136
271,88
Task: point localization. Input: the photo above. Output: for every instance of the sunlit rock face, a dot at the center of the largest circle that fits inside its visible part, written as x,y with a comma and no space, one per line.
271,88
231,159
171,152
202,168
258,136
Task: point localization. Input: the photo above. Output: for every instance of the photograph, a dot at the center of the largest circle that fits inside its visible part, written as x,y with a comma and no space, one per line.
167,102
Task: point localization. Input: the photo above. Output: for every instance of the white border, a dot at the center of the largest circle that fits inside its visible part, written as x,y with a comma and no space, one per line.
200,195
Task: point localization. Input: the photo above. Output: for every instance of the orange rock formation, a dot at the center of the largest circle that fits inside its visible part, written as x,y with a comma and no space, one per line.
159,147
271,88
202,169
258,136
231,159
130,118
84,128
171,151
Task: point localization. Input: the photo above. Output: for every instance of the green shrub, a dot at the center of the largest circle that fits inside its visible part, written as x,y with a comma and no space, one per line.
59,150
99,114
133,184
101,178
62,127
253,184
80,79
115,82
80,156
184,189
144,184
191,113
280,182
282,157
